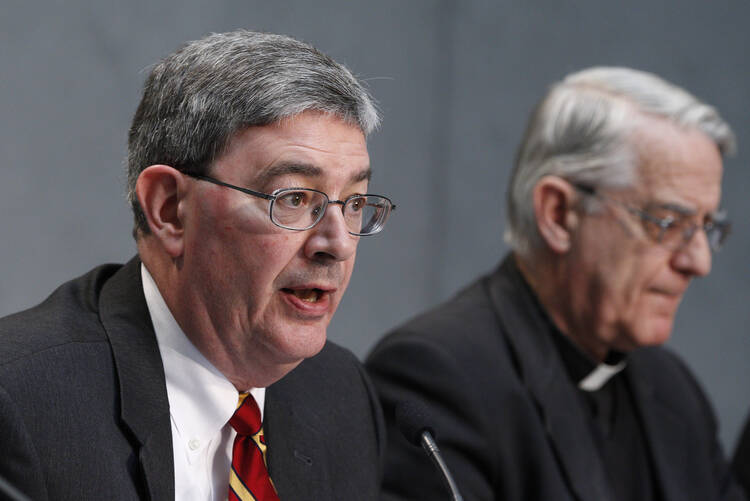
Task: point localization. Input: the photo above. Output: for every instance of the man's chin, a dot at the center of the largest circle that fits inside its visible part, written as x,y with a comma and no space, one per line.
656,331
300,342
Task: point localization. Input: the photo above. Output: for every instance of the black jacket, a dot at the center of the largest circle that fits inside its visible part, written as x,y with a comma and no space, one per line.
84,411
507,416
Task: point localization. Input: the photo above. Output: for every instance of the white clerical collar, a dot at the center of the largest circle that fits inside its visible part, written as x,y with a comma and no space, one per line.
201,398
602,373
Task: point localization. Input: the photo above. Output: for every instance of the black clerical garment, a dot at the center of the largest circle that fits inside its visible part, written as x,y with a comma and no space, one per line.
741,461
613,421
512,424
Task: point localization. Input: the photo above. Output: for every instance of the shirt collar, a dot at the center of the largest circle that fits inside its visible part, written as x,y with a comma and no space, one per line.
603,372
201,398
583,371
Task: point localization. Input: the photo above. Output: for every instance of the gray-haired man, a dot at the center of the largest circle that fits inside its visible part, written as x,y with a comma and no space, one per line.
248,173
546,378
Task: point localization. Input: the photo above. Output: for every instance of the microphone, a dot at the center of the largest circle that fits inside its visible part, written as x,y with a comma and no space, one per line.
412,418
7,491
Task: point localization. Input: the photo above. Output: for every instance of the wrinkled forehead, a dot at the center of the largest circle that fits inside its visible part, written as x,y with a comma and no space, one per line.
677,165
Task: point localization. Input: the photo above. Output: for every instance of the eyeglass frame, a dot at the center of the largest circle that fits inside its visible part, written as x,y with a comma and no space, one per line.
275,194
665,223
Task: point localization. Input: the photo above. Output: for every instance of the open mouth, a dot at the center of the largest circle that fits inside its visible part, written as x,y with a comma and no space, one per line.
306,295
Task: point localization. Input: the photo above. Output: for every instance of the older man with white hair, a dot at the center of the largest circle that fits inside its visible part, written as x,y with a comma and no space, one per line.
545,378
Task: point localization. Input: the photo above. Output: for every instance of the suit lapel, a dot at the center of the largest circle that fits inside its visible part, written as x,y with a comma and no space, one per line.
144,405
664,431
544,376
297,459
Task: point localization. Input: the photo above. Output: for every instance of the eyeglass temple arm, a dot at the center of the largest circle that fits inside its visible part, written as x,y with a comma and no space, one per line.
227,185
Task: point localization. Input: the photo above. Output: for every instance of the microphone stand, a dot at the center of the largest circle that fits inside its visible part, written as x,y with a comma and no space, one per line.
7,491
430,446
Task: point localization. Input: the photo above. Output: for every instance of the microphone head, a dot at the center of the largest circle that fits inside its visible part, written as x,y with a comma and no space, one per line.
412,418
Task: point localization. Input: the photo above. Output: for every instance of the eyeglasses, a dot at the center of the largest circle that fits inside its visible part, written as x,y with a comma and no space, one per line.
300,209
674,230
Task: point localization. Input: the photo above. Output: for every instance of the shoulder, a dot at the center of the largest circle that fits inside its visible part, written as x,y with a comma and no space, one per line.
470,306
334,390
451,357
663,368
333,372
462,325
69,315
459,343
666,376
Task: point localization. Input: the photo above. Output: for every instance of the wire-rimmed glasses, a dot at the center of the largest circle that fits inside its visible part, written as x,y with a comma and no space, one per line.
300,209
674,230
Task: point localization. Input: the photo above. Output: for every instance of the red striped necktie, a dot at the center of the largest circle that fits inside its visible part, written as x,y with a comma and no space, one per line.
249,480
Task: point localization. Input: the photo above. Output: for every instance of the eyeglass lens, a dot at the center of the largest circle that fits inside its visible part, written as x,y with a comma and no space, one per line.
678,234
300,209
366,214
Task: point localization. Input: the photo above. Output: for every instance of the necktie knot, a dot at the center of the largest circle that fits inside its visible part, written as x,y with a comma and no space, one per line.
246,419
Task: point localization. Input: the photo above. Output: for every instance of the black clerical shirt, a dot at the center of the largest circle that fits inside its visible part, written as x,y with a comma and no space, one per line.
614,423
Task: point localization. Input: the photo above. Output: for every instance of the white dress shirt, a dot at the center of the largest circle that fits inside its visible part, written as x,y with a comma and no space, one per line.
201,401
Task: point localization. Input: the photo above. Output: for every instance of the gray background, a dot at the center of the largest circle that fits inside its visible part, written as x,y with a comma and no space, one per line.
455,81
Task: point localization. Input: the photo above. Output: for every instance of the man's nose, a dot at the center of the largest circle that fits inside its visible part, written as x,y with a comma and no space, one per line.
694,257
330,238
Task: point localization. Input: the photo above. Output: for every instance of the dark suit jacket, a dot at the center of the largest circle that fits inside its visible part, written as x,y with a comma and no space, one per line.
741,461
84,411
506,414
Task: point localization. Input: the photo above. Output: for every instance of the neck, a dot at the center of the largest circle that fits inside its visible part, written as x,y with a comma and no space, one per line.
551,279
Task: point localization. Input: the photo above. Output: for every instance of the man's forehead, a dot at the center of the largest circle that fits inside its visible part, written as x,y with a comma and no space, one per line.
677,165
660,144
310,145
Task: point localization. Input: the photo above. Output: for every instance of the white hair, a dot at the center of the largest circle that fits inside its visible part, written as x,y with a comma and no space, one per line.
581,132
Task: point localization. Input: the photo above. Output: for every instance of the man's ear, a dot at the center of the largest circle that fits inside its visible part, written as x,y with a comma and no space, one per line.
160,189
555,212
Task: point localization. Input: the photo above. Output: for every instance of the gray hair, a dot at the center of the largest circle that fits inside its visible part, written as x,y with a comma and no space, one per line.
196,99
580,131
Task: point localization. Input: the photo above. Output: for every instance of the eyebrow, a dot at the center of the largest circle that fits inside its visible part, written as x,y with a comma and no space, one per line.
680,209
306,170
719,215
363,175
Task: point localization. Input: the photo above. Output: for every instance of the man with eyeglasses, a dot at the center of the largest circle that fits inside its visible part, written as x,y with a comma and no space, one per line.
545,379
200,369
